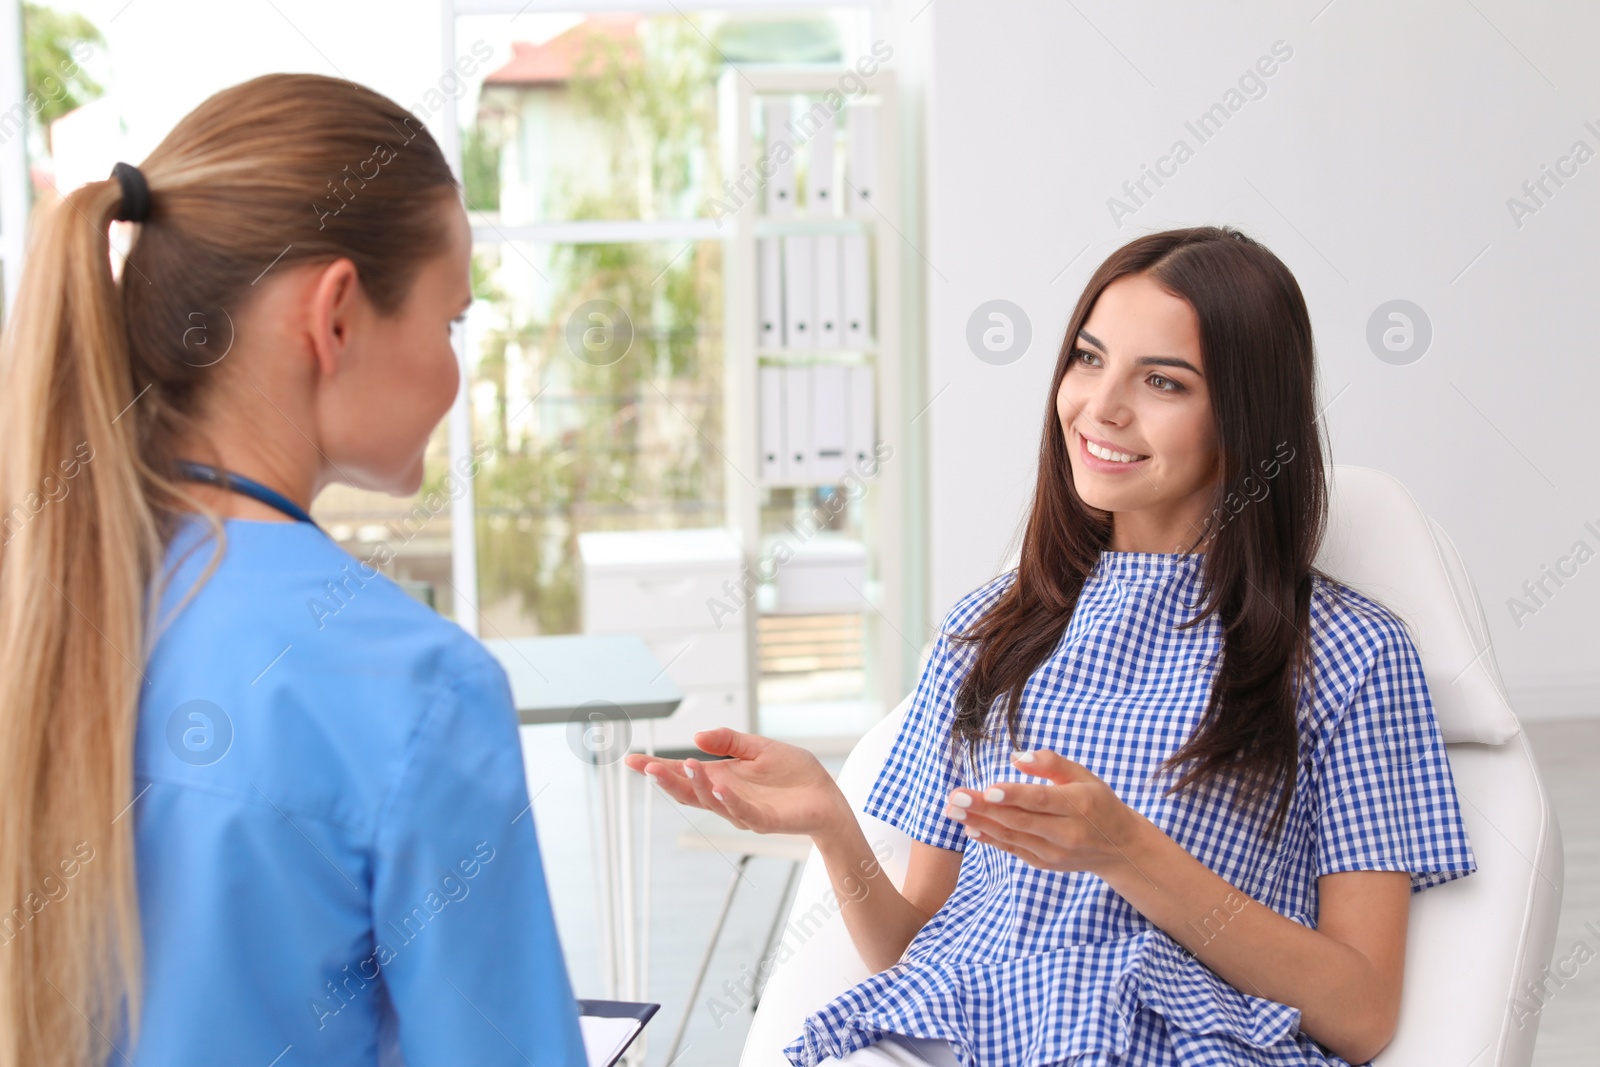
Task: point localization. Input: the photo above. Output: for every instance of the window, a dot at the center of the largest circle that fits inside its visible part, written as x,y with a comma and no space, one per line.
594,351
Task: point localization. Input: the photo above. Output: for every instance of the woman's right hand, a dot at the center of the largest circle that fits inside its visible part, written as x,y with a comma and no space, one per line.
767,786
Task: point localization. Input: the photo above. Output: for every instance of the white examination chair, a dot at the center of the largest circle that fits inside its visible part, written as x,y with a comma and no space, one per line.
1474,945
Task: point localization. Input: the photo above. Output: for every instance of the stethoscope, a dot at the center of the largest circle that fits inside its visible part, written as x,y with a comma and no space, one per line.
238,483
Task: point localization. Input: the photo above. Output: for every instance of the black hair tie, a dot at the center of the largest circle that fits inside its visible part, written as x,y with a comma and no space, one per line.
135,193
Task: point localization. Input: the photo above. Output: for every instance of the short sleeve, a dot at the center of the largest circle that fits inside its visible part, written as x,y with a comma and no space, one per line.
1385,793
911,790
467,941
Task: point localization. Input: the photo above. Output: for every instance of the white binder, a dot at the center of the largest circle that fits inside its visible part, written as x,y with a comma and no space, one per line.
861,162
829,324
769,433
820,195
863,438
769,280
797,424
856,287
799,280
830,441
780,187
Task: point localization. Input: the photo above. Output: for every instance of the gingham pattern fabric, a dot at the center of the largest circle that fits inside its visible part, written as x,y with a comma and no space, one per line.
1029,968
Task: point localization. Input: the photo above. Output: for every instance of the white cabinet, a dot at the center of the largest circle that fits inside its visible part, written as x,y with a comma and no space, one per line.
824,575
679,590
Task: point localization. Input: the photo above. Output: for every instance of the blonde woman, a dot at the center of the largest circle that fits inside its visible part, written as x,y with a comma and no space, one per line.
260,806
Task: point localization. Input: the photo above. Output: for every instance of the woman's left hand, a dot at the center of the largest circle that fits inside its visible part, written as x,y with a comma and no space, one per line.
1071,822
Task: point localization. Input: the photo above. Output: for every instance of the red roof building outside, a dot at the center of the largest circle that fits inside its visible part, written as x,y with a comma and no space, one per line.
555,61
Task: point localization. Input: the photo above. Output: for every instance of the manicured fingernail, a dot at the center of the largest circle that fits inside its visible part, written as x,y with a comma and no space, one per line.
1022,757
995,794
688,768
961,800
653,776
716,794
970,832
957,814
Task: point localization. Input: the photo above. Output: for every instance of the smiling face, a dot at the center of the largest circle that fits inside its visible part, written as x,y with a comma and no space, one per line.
1135,387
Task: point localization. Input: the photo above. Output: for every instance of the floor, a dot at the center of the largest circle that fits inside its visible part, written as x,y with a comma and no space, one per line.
1569,1024
688,889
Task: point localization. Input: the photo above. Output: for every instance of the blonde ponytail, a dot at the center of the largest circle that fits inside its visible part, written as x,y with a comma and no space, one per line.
94,388
76,556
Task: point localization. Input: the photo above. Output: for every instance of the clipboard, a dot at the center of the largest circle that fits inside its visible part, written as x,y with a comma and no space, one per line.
610,1026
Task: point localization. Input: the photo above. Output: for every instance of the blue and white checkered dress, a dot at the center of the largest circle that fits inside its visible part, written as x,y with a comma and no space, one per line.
1027,968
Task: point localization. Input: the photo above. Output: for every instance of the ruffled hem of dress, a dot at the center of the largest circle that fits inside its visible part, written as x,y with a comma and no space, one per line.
1154,973
817,1044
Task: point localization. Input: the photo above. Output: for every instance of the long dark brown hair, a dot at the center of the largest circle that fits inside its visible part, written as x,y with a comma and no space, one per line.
1269,510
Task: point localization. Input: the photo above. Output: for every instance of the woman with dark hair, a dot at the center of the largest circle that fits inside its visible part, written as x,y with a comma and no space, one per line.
1170,786
260,805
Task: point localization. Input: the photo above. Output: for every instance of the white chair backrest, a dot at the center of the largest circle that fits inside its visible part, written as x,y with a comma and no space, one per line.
1381,544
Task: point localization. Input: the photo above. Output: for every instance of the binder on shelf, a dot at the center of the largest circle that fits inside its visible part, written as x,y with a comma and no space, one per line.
797,424
820,196
610,1026
856,289
829,323
778,434
861,160
770,431
830,425
780,187
862,431
799,270
769,270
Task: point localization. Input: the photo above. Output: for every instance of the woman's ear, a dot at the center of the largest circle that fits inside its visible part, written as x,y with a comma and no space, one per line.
335,306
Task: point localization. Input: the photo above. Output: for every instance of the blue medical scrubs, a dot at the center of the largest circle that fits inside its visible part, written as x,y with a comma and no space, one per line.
336,853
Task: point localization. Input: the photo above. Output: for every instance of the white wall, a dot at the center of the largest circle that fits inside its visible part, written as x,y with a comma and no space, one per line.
1377,165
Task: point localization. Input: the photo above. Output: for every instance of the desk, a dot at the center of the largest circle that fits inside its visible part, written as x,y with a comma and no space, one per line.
561,678
600,685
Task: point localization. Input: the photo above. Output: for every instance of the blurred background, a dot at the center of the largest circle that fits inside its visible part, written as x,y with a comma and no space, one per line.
1427,170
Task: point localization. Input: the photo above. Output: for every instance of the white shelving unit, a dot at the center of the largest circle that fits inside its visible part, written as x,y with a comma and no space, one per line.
882,506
